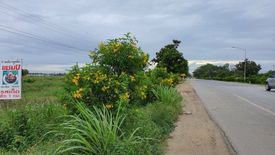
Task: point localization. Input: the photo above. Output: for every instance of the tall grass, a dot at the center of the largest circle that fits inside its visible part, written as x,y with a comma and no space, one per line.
24,127
95,131
155,121
167,95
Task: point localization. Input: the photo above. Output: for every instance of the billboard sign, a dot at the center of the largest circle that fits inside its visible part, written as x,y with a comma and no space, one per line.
10,76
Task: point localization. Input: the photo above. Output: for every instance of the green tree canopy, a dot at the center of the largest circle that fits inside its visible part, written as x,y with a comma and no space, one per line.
170,58
251,68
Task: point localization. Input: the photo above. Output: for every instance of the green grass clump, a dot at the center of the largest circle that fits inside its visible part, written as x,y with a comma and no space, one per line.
155,121
95,132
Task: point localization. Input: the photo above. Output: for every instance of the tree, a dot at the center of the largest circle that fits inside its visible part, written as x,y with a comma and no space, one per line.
251,68
210,71
25,72
170,58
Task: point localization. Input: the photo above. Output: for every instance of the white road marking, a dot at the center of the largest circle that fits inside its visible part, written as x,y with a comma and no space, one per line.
254,104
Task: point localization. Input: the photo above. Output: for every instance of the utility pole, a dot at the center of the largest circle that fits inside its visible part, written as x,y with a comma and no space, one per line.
244,72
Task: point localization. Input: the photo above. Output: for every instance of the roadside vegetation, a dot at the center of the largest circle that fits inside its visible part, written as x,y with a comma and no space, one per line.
115,105
233,73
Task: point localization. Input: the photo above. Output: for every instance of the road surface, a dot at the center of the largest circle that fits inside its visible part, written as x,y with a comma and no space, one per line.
246,113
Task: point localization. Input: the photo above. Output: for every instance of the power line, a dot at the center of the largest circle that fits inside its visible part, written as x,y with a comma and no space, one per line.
21,42
32,17
32,36
53,27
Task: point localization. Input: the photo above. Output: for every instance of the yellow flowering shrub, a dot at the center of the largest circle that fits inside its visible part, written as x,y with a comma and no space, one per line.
116,74
160,76
121,55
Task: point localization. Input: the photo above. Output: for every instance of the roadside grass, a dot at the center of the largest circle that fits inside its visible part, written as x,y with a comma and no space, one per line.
138,130
155,121
96,131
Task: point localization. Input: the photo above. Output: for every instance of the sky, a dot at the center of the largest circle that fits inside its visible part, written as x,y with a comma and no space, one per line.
51,35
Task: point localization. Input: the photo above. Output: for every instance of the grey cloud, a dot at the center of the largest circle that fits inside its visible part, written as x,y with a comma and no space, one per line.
207,29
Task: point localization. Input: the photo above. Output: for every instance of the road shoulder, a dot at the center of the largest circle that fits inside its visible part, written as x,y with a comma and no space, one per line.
195,132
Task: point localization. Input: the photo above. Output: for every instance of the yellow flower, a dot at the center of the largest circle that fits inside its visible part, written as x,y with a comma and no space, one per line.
116,90
104,88
96,81
116,47
132,78
145,58
182,75
100,76
124,96
77,94
76,79
168,81
101,45
87,78
142,95
109,106
133,45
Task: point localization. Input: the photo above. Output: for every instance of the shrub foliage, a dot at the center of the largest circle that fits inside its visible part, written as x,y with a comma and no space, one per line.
117,73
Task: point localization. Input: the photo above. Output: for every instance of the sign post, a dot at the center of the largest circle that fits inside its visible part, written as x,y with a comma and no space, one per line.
11,79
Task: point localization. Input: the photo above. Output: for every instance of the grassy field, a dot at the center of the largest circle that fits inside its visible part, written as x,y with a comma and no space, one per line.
24,122
38,90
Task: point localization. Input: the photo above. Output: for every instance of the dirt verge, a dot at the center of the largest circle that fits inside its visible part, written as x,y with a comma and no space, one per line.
195,132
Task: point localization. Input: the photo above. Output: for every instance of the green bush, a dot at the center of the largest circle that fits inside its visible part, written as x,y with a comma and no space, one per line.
121,55
107,82
95,85
28,80
160,76
116,74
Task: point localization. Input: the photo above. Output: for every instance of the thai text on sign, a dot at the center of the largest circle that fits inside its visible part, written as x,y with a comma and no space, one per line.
10,76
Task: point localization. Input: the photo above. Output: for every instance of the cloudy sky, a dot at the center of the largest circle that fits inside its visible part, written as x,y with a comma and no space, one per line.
51,35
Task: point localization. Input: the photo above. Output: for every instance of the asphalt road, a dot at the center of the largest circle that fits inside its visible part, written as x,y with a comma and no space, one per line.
246,113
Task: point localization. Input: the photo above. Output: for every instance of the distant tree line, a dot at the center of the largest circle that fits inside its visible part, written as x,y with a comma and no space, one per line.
47,74
233,73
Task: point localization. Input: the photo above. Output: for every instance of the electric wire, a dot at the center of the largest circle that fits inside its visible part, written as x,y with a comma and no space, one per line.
32,36
42,21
